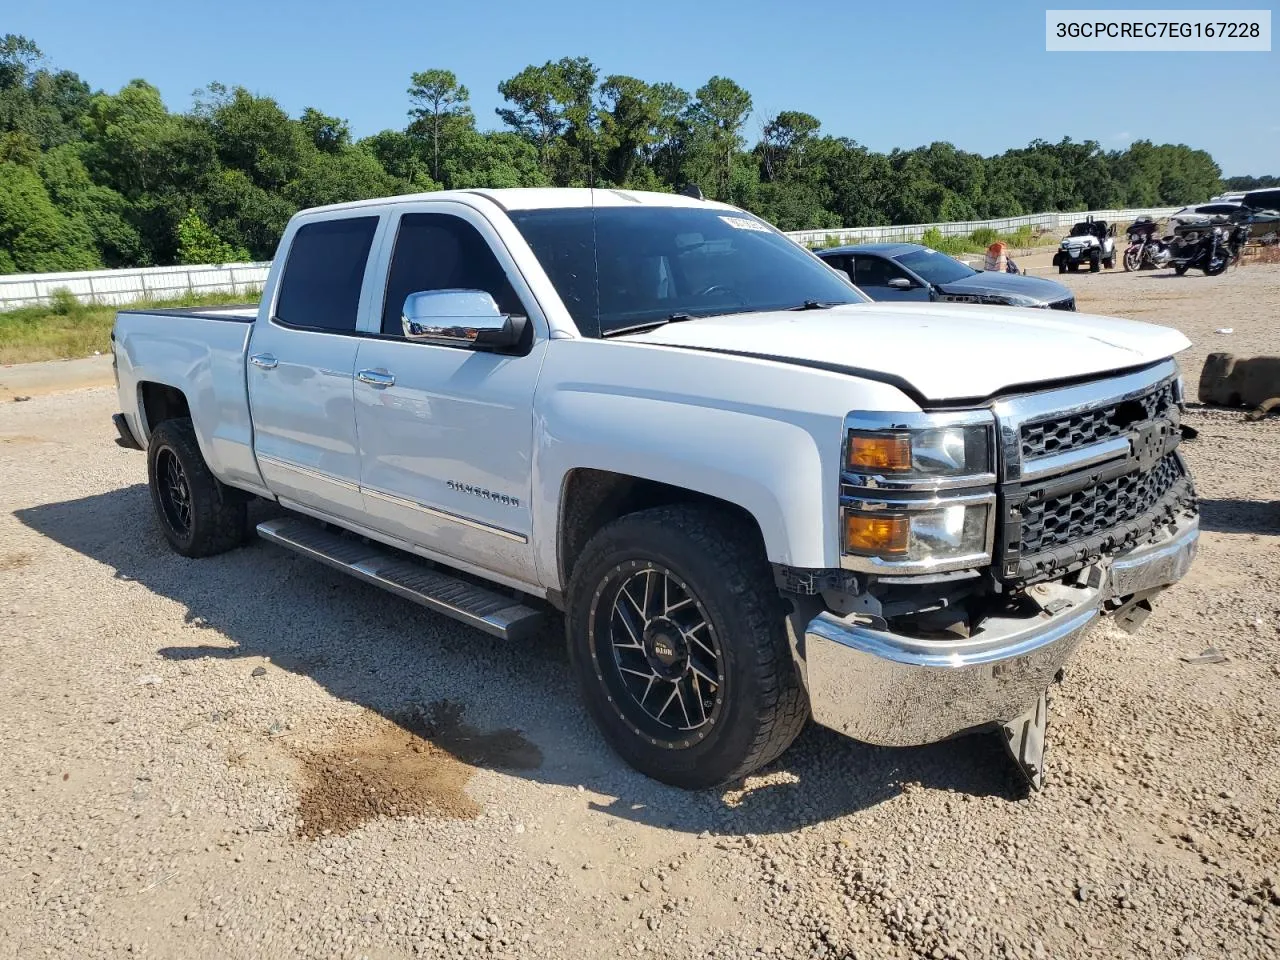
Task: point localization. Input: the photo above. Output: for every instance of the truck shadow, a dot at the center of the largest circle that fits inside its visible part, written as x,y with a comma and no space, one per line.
1240,516
391,656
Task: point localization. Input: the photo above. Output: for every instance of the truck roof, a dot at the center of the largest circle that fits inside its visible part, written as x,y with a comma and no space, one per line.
539,198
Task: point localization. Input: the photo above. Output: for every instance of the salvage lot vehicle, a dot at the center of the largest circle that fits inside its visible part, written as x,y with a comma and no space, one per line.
1090,241
755,496
894,272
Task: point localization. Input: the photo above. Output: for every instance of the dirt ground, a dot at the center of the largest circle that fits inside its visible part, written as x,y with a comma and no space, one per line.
252,756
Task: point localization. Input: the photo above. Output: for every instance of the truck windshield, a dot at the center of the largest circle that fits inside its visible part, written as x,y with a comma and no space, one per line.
935,267
618,268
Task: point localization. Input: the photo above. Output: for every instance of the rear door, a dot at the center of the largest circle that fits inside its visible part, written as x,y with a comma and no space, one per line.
446,432
301,366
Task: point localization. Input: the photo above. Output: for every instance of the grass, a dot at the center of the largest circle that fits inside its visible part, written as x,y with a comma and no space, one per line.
66,328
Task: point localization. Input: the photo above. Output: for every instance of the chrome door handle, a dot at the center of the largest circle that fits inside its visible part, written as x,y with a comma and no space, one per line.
264,360
376,378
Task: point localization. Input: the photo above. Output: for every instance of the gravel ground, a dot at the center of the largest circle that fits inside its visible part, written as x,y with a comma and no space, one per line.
252,756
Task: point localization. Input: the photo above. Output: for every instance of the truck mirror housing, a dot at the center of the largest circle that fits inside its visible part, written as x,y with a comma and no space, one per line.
459,318
900,283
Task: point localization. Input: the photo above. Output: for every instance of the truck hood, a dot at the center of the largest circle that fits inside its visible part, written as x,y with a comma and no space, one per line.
943,352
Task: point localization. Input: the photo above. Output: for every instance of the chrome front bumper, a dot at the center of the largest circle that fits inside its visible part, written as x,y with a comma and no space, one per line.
895,690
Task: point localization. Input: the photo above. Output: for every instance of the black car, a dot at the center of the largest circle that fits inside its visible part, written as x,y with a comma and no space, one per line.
911,271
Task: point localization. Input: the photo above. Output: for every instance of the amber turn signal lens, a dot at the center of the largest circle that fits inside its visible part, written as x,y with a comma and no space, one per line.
876,535
891,452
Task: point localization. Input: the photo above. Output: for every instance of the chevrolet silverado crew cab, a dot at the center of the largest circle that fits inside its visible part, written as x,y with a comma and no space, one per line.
756,496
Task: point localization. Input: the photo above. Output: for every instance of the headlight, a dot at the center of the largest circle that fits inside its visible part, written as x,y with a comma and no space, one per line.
917,491
927,537
946,451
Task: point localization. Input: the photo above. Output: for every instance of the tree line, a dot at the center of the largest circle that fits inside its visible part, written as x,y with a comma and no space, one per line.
91,179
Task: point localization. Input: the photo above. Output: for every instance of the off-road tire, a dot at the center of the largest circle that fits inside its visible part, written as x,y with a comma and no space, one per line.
1110,262
1062,266
764,705
1095,263
218,513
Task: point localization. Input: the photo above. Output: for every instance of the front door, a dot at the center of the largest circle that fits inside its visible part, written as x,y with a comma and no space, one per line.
872,274
301,366
446,432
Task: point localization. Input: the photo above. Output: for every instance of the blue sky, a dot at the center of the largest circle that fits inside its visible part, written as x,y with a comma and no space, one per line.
887,74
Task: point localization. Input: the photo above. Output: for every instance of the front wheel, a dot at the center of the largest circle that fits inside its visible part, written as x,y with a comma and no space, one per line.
1216,265
1095,263
1132,260
199,515
677,637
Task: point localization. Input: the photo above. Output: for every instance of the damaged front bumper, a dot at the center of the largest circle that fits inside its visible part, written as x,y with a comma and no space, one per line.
896,690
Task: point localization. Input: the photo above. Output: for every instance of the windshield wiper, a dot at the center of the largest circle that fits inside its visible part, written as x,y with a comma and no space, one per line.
649,325
815,305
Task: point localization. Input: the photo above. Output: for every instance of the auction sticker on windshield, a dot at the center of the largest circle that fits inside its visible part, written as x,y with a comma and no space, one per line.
745,223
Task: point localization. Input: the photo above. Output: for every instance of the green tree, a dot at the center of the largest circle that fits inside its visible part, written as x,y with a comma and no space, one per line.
198,244
553,107
327,134
441,110
34,236
717,117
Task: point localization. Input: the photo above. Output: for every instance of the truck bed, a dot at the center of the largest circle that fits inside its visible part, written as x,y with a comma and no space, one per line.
199,351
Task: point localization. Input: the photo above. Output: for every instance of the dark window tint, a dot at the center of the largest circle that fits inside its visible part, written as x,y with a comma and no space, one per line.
875,272
322,278
839,262
436,251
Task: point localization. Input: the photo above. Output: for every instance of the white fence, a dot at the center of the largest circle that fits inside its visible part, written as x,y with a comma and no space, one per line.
128,286
161,283
903,233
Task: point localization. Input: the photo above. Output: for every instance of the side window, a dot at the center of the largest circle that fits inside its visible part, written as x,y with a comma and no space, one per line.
438,251
875,272
840,263
320,288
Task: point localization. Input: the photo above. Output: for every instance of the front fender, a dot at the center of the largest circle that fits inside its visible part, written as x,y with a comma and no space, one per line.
762,435
773,470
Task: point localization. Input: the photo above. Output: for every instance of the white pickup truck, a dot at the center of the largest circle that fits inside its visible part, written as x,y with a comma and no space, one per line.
755,495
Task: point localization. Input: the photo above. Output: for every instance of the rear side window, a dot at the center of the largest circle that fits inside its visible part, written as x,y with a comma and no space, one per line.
438,251
320,288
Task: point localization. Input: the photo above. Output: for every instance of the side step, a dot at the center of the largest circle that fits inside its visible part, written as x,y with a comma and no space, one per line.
406,576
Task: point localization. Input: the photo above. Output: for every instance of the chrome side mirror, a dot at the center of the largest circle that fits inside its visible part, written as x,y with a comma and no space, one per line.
900,283
459,318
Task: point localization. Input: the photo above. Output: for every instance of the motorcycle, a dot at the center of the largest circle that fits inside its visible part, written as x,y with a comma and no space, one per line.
1238,239
1146,250
1203,245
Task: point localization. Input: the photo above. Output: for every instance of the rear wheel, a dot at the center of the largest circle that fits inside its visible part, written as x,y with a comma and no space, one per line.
676,634
199,515
1181,268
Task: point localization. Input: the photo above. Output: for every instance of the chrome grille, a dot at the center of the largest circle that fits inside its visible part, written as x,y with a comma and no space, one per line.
1087,471
1060,434
1102,506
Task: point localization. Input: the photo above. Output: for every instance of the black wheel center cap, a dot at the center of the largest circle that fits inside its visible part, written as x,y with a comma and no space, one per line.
665,648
